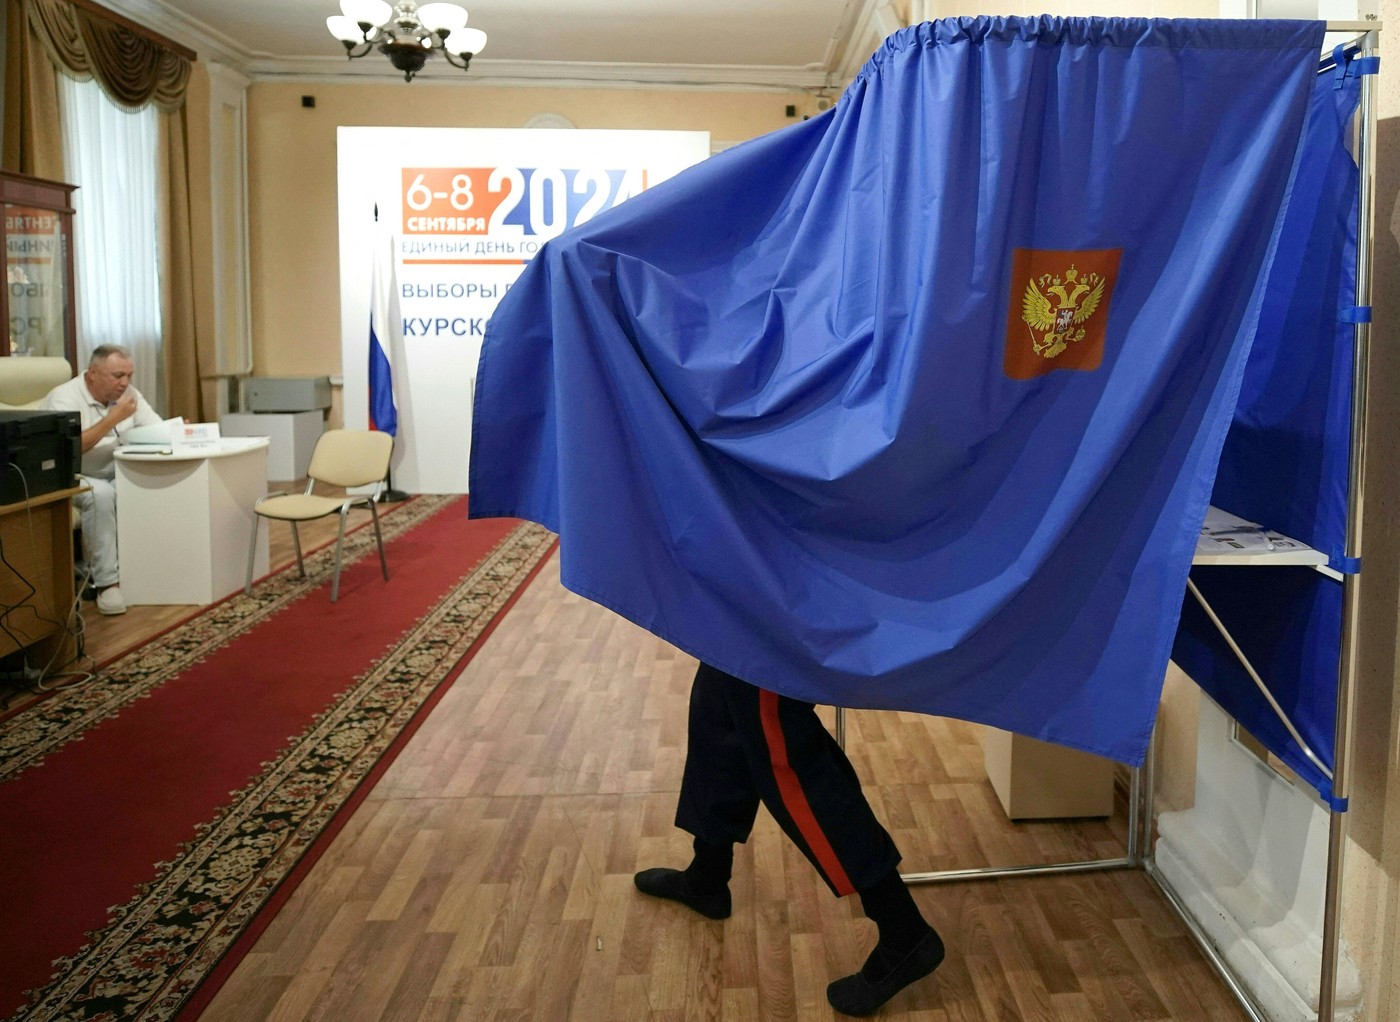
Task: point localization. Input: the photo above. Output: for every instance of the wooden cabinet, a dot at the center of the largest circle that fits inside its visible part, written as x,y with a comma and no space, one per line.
38,303
37,589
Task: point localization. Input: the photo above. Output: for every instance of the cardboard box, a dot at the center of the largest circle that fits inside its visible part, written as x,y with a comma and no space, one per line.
1036,780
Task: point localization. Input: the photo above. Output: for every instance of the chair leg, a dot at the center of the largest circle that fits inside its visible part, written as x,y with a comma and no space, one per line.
252,554
296,545
339,541
379,538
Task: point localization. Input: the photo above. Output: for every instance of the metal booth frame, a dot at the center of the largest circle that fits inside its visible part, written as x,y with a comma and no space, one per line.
1366,43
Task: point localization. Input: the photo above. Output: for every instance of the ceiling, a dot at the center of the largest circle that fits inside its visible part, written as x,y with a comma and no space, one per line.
794,44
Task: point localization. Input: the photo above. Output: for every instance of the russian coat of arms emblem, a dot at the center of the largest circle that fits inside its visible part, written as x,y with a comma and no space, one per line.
1057,313
1058,310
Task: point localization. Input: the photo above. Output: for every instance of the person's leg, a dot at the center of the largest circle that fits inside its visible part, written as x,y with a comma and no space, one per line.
807,783
83,502
906,950
811,789
718,801
717,804
98,508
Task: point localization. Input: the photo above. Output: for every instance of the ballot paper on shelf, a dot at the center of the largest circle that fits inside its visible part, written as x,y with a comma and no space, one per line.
1229,539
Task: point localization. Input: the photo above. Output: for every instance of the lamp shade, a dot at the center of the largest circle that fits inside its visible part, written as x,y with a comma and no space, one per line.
465,40
442,17
344,29
366,12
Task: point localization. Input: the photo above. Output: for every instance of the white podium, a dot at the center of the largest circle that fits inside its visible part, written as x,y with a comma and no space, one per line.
184,520
293,437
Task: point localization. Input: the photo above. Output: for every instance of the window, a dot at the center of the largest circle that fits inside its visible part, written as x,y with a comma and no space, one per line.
111,154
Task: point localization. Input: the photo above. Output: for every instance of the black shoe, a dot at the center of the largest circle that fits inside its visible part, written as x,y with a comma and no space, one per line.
858,995
675,886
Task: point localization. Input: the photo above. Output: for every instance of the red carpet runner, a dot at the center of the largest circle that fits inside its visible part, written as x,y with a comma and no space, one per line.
188,780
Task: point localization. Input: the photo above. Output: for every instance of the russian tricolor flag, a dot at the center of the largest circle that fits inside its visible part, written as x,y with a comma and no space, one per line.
385,322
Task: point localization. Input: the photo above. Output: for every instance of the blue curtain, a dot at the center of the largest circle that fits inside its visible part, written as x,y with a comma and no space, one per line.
1287,456
918,404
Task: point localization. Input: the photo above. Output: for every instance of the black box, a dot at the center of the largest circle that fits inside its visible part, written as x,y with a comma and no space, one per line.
41,452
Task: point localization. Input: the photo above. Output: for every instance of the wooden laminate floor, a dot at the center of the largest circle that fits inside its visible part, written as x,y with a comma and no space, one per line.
488,876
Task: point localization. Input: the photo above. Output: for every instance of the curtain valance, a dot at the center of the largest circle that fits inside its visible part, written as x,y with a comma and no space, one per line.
132,69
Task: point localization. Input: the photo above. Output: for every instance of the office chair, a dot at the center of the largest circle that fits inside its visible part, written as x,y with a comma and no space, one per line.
342,458
26,380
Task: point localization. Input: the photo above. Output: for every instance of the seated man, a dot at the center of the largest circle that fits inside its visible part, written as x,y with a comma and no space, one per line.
108,405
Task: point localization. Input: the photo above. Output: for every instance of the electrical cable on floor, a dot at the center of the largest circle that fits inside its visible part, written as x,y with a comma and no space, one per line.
77,628
46,684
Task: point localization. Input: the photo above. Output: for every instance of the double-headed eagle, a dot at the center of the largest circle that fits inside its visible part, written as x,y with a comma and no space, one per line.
1054,326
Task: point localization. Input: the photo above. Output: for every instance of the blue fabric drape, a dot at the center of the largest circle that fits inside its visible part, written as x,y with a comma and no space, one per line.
917,404
1286,460
1286,457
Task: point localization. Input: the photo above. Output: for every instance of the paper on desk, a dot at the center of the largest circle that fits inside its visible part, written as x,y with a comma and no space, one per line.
194,435
157,434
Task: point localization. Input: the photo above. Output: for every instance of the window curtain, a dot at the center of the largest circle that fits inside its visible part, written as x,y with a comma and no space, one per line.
48,36
33,145
111,153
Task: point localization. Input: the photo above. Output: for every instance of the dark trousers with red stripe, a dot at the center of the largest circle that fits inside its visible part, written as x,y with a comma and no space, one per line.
749,745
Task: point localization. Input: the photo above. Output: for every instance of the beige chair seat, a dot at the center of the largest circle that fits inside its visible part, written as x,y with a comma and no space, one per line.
343,458
298,507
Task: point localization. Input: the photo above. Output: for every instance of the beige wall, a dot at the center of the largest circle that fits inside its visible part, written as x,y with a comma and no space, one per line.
292,179
1085,8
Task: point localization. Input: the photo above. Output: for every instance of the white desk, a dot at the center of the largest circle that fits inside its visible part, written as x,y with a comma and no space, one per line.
184,520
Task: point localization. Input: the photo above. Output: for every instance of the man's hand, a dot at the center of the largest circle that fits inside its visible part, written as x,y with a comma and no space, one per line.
124,409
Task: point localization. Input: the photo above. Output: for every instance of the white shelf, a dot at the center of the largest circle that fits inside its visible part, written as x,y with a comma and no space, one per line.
1227,539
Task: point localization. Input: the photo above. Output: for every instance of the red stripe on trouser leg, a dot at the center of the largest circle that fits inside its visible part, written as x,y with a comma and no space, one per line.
795,799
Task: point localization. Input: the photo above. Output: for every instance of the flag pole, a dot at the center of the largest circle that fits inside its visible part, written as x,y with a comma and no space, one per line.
389,495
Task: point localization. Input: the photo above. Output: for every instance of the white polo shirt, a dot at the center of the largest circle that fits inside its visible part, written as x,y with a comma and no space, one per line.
74,396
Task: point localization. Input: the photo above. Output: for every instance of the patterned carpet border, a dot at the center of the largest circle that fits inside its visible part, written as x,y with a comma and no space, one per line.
38,730
159,946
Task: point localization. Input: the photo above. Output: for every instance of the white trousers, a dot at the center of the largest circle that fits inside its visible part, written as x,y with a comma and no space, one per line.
98,508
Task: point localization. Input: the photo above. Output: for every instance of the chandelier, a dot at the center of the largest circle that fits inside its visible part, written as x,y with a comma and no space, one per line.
406,33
